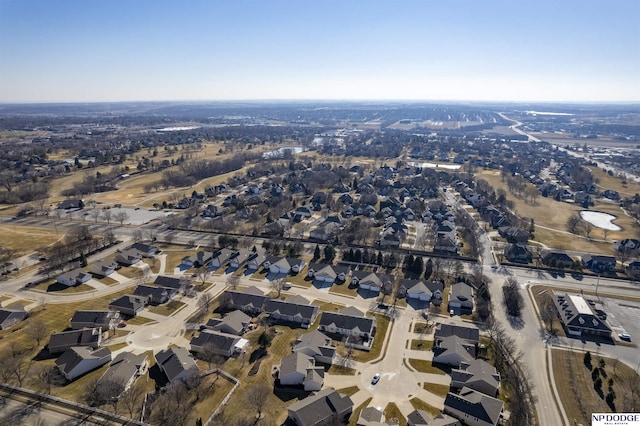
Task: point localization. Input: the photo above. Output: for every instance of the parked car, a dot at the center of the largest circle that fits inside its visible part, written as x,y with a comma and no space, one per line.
376,378
625,336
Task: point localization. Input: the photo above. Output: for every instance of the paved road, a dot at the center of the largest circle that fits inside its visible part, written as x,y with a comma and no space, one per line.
15,413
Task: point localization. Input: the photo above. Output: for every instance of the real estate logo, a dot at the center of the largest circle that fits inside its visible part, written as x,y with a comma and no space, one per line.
615,419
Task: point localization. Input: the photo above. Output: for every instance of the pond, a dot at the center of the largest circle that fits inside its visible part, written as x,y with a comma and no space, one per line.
600,220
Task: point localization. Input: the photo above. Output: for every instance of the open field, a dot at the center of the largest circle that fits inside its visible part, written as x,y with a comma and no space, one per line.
576,386
613,182
26,239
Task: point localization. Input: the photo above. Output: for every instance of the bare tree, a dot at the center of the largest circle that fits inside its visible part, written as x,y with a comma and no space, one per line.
131,400
256,396
95,214
44,378
37,331
588,227
109,392
573,222
107,215
121,216
513,299
233,281
203,273
20,364
204,302
138,235
277,286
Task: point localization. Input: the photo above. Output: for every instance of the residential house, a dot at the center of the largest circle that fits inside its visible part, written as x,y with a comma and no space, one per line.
129,257
599,263
319,408
255,262
125,369
284,265
325,231
422,418
155,295
235,322
419,290
300,369
453,350
71,204
176,363
129,304
9,317
477,375
579,317
447,243
60,342
221,257
179,284
370,416
147,250
250,300
349,323
367,280
103,267
218,343
296,309
442,330
197,260
517,253
75,277
461,297
211,211
473,408
327,273
317,345
79,360
633,269
240,257
556,259
514,235
106,320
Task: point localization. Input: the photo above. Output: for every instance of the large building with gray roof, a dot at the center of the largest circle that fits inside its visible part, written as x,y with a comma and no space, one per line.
321,407
473,408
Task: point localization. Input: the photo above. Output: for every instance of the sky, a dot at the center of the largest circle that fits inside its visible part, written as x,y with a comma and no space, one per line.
439,50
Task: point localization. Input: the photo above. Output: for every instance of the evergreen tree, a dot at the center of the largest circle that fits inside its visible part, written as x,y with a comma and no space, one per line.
357,256
380,259
316,253
428,269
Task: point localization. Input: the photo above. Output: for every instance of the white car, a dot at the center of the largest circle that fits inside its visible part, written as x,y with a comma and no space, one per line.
625,336
376,378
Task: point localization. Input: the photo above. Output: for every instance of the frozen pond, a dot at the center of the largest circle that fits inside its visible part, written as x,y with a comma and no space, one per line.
435,166
279,153
599,219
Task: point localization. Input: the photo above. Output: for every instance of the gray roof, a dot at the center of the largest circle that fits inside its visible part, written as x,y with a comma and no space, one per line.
75,274
348,322
6,314
295,362
129,301
169,282
248,298
462,292
455,344
124,367
145,248
75,355
314,339
476,371
471,334
222,341
475,404
151,291
95,317
321,406
292,309
84,337
174,361
419,418
444,420
236,320
370,414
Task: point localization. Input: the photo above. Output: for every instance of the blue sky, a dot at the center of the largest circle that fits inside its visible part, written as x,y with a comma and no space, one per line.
116,50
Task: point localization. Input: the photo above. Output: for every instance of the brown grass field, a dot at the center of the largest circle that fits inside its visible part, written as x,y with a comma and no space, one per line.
26,239
392,411
419,404
353,420
576,389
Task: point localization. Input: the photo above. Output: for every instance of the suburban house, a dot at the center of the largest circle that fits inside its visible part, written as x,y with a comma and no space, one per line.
197,260
129,257
221,257
75,277
513,234
471,334
218,343
235,322
477,375
370,416
176,363
367,281
71,204
251,300
461,297
327,273
106,320
447,243
9,317
300,369
129,304
517,253
419,290
60,342
321,407
177,283
79,360
325,231
556,259
422,418
284,265
317,345
255,262
350,323
473,408
296,309
579,317
633,269
125,369
453,350
147,250
599,263
103,267
240,258
155,295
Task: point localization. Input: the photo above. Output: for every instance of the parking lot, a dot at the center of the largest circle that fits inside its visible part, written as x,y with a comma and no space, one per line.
623,316
135,216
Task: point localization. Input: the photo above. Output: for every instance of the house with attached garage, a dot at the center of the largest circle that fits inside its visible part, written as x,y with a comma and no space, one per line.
129,257
218,343
367,280
129,304
453,350
221,257
9,317
633,269
473,408
317,345
250,300
300,369
327,274
176,363
423,291
75,277
241,257
155,295
103,267
461,297
106,320
321,407
60,342
201,258
177,283
147,250
422,418
599,263
235,322
79,360
556,259
517,253
350,323
477,375
296,309
125,368
255,261
284,265
472,334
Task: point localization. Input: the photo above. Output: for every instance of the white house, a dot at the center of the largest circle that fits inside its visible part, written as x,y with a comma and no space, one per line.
71,278
77,361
